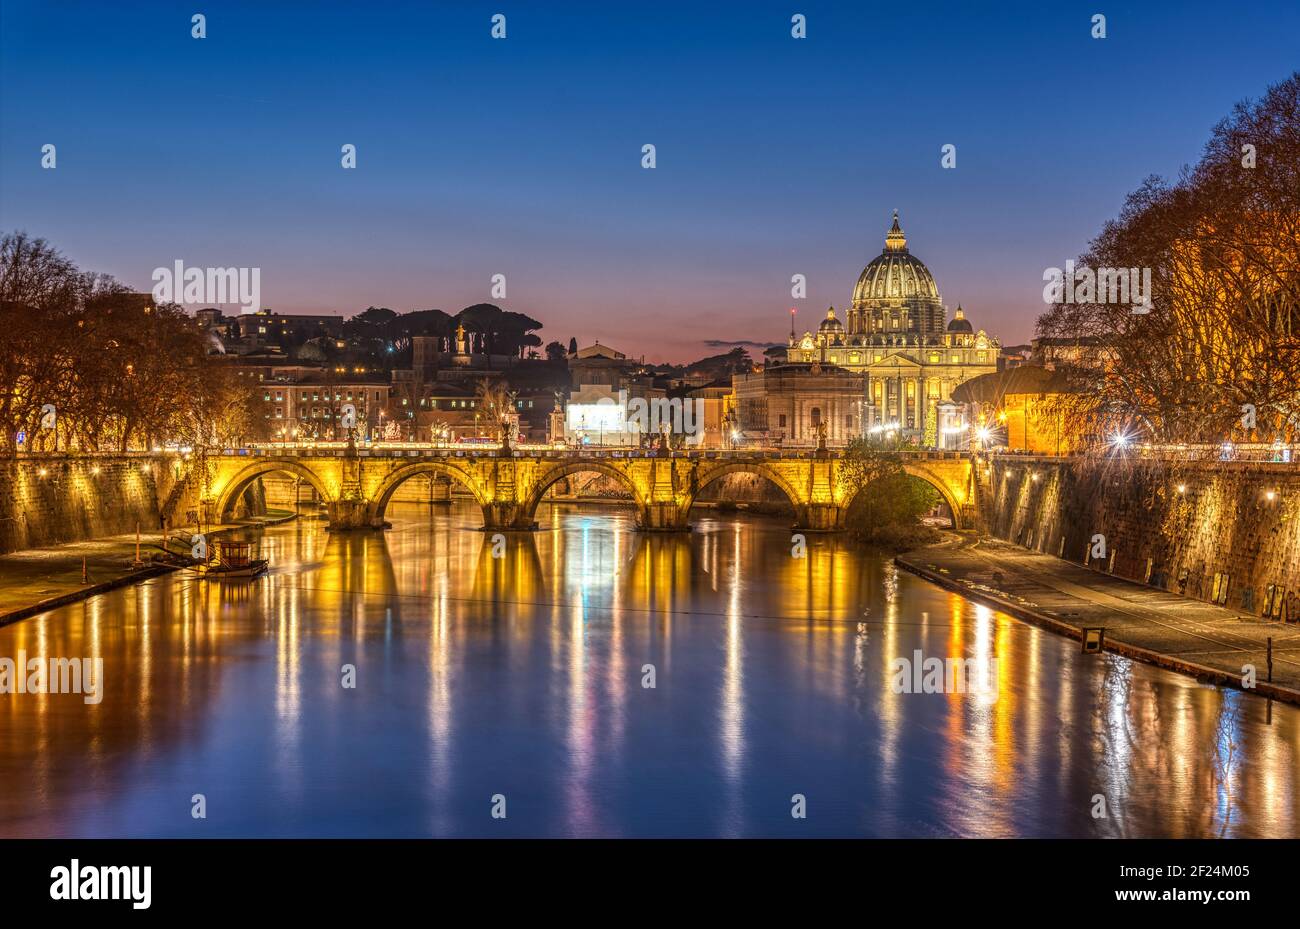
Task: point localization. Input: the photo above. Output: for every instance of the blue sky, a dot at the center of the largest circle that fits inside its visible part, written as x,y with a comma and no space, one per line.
522,156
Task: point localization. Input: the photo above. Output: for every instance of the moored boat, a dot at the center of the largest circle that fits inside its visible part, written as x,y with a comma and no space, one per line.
233,560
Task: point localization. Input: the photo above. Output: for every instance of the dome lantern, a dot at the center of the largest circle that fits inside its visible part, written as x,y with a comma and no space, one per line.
895,241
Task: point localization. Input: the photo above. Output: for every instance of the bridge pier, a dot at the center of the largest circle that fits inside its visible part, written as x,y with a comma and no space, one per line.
507,517
820,517
439,489
662,517
350,514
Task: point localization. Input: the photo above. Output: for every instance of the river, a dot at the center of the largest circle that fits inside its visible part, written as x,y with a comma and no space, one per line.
518,684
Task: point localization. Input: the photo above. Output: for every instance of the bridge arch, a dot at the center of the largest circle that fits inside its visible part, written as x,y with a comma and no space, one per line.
923,474
946,491
550,477
744,467
238,482
399,476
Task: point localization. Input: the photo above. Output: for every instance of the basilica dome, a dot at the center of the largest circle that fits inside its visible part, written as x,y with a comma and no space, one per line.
895,275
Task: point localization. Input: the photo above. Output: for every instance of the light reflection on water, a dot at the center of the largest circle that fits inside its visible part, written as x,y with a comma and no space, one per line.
522,676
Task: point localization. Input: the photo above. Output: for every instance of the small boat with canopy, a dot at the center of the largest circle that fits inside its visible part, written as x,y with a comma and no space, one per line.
233,560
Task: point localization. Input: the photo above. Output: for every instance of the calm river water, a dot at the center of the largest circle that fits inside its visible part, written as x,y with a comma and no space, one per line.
522,676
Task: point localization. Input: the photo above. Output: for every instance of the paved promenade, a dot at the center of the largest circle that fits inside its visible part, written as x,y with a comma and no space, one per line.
1141,622
40,579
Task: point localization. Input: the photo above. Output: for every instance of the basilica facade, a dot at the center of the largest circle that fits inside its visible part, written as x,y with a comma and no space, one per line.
890,365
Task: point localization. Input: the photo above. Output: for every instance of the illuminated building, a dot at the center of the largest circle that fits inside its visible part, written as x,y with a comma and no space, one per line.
1022,407
895,340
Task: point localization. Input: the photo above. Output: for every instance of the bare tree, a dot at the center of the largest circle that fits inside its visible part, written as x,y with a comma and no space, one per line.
116,370
1218,355
496,402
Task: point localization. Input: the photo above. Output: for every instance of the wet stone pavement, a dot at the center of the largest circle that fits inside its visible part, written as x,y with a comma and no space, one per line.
1178,632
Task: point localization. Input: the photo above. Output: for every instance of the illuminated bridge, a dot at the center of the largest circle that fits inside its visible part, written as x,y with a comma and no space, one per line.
357,484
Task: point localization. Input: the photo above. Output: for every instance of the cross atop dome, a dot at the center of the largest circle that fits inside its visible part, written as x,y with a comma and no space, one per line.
895,241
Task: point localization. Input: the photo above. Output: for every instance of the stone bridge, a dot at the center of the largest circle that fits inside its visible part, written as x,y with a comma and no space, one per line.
357,484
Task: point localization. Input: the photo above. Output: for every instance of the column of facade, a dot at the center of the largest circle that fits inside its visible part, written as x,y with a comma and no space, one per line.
920,405
867,411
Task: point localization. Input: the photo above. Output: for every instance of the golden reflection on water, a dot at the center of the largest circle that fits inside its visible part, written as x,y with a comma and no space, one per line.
519,659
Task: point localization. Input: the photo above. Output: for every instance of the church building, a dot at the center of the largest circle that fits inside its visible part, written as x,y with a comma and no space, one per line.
887,367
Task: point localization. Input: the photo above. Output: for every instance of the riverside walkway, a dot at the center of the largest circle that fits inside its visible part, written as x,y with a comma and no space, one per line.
1141,622
39,579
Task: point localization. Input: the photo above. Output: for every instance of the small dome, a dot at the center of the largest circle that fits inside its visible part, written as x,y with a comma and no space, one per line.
830,323
960,323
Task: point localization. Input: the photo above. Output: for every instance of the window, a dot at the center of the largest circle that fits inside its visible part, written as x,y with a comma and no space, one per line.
780,421
934,358
955,359
848,421
981,356
816,415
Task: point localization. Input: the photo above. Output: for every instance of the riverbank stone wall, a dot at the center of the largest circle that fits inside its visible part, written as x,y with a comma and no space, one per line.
1222,531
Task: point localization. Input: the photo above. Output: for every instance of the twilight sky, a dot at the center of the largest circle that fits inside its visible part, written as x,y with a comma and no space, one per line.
522,156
